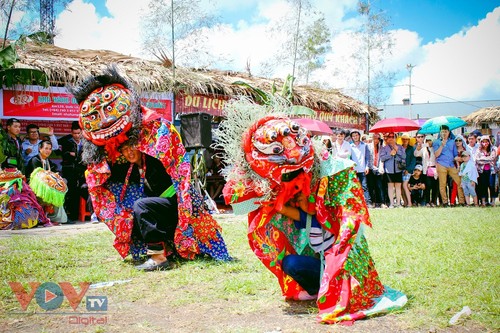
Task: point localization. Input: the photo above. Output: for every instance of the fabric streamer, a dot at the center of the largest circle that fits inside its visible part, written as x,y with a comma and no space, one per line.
270,159
121,117
49,186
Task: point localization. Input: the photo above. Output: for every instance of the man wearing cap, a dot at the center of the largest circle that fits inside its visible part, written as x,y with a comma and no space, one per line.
362,157
446,151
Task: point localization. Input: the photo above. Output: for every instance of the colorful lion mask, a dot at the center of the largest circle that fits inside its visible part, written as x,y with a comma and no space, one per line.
275,146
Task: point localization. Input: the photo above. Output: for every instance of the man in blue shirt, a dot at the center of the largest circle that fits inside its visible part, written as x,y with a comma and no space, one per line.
32,140
362,157
446,151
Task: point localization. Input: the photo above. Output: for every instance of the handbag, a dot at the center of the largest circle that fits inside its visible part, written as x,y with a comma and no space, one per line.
401,165
431,171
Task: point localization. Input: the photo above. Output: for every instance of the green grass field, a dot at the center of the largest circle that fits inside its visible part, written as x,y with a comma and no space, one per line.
443,259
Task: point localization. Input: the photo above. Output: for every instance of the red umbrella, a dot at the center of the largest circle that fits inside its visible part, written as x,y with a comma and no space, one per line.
394,125
316,127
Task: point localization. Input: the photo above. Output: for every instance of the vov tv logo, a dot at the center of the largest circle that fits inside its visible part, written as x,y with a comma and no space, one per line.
49,295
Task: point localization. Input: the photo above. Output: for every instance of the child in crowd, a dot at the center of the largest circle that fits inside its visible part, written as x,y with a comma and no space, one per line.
416,185
468,173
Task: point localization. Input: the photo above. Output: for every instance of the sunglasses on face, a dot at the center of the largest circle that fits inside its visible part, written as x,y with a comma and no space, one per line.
458,140
390,136
419,136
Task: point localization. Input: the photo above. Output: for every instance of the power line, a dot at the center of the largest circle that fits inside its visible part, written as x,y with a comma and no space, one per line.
414,86
453,99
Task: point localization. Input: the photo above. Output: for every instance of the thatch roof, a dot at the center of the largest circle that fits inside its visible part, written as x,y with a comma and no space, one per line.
65,67
484,115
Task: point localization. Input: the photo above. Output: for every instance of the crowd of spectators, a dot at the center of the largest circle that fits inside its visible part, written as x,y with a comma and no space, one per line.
32,150
424,170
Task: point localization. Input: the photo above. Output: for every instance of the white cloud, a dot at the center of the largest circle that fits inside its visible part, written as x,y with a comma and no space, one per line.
80,27
462,66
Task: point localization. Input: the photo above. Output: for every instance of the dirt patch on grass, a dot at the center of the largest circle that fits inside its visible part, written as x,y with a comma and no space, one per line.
177,301
151,314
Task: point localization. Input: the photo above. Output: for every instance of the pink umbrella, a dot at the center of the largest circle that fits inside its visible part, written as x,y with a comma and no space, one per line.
316,127
394,125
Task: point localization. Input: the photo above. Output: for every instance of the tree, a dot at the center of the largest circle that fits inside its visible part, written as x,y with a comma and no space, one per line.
306,41
167,23
374,46
314,44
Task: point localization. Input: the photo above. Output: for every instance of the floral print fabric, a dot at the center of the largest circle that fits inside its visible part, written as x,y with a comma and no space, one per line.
197,232
350,286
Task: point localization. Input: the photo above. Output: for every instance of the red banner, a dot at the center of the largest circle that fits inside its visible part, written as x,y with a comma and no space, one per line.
56,103
212,104
343,120
61,127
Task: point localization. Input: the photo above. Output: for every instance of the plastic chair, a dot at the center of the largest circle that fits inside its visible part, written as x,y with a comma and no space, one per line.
83,213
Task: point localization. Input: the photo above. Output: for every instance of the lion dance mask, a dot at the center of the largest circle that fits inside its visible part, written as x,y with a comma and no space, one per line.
111,114
279,161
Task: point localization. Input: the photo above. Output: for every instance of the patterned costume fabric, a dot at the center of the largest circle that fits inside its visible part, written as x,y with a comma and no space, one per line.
115,105
350,288
197,232
19,208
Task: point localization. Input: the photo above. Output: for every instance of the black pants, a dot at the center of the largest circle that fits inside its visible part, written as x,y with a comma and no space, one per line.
155,220
417,197
376,188
76,189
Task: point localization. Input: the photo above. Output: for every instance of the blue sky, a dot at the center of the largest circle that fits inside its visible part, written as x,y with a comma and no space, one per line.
436,19
452,44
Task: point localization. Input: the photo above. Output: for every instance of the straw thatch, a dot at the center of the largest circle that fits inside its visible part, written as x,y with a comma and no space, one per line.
65,67
484,115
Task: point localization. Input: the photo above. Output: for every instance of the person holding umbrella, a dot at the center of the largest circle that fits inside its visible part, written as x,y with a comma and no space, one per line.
446,151
394,158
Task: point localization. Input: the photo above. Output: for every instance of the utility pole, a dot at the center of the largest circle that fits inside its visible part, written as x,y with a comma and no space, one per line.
47,19
409,67
173,60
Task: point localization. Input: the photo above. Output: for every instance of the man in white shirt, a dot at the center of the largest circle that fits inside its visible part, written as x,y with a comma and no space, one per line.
342,147
472,145
362,157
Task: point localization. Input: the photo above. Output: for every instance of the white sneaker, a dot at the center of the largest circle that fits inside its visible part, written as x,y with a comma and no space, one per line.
93,218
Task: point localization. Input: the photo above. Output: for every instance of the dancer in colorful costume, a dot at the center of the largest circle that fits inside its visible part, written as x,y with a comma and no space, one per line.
19,208
273,160
111,117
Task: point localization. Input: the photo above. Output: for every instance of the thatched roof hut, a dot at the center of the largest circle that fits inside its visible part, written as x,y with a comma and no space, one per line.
484,115
65,67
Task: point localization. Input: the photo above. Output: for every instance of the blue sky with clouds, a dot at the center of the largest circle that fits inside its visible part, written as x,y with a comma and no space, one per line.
452,44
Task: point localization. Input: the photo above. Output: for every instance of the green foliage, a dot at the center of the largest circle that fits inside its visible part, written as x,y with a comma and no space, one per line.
265,98
11,76
8,57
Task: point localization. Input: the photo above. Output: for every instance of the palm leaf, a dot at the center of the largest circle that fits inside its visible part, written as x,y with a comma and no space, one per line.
261,96
23,76
8,57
